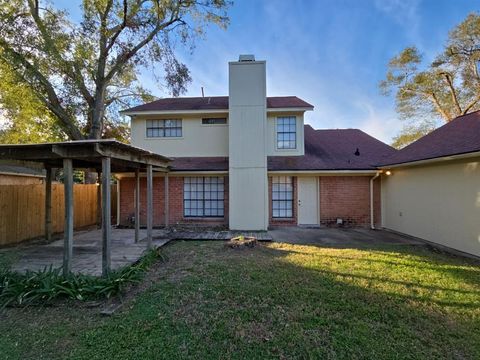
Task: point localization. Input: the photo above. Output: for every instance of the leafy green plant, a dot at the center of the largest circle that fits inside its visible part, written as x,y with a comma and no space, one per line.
46,285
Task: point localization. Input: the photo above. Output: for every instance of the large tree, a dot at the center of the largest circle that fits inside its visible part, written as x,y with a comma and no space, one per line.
443,89
79,74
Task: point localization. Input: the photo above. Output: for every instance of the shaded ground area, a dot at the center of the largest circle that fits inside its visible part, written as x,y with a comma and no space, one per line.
87,248
340,237
277,300
87,251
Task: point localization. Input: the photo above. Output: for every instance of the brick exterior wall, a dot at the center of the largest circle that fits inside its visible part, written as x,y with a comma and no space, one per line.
348,198
175,211
127,201
345,197
286,221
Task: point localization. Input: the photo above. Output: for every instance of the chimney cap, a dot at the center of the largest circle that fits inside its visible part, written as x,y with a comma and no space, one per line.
248,57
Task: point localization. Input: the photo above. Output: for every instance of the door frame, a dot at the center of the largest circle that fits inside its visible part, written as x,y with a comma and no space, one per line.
317,188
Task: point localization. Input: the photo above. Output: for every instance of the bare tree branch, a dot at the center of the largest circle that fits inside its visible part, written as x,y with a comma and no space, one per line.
453,92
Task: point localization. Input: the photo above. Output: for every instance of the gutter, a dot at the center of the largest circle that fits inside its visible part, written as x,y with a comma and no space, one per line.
206,111
372,220
432,160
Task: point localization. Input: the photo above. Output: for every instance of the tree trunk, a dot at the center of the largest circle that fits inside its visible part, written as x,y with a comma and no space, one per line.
98,112
91,176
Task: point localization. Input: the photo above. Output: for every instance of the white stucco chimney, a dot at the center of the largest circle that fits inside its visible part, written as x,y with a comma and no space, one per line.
248,185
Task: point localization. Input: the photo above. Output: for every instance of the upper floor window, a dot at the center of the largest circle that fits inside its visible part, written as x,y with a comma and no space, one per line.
286,132
214,121
164,128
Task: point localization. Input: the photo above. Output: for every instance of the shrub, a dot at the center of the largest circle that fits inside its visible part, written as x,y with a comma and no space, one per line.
44,286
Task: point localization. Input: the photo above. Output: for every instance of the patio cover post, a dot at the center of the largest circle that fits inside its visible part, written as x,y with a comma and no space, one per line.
149,205
166,199
68,229
106,215
137,206
48,204
99,199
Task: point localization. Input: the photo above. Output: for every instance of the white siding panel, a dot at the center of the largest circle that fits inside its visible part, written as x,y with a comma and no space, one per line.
197,139
438,203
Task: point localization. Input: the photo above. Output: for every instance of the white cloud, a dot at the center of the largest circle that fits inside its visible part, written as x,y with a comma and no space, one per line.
382,124
405,13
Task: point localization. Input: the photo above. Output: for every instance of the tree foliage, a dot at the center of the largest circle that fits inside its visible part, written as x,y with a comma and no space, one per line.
447,87
32,123
79,74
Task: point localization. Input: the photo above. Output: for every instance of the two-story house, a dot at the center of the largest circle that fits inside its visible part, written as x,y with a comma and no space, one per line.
248,161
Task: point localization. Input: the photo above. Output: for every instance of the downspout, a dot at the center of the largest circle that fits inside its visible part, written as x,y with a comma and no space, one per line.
372,221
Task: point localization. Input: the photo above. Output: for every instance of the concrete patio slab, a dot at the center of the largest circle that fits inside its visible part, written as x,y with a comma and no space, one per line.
216,235
340,236
87,251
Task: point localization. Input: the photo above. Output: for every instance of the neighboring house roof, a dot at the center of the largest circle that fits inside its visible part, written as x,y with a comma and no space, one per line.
213,103
324,150
459,136
20,170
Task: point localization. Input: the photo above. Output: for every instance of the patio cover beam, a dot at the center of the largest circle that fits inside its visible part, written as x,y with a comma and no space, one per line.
87,154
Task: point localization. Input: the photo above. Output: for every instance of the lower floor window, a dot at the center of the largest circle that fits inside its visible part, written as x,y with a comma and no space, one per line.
203,197
282,197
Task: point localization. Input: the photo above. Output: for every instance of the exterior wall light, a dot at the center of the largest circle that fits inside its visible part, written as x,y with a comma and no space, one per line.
388,173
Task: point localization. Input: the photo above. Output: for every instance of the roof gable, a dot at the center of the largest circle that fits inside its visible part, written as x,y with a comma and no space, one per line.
459,136
335,149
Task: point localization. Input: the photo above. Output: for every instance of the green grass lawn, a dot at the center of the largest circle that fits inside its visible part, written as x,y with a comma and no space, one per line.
274,301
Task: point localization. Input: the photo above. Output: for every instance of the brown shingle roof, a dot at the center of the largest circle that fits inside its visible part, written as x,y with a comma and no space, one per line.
214,103
324,150
334,150
459,136
200,164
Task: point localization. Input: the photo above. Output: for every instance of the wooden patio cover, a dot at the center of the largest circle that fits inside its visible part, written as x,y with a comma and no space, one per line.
105,156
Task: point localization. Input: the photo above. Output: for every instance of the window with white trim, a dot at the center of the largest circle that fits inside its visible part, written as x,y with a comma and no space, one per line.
164,128
203,196
282,197
286,132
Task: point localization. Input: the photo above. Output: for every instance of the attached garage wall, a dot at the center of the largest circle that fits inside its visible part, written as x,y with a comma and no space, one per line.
439,203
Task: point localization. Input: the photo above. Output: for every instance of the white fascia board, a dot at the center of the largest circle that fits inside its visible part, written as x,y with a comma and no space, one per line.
174,112
283,110
200,172
206,112
431,161
323,172
174,173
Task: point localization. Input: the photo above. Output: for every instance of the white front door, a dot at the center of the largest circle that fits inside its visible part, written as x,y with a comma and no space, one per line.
308,201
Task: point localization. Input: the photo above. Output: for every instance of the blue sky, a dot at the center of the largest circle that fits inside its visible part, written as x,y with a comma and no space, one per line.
331,53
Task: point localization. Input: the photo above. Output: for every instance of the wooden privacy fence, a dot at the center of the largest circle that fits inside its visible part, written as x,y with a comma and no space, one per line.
22,210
